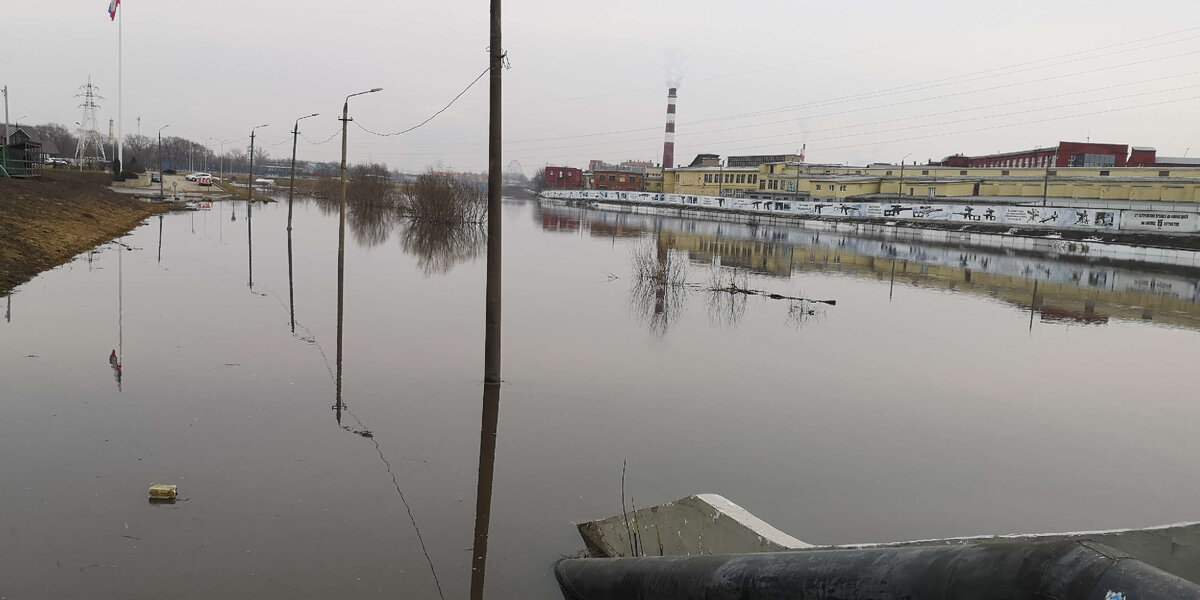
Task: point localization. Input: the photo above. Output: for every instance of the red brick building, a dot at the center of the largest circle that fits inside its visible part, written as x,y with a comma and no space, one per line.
564,178
618,180
1065,154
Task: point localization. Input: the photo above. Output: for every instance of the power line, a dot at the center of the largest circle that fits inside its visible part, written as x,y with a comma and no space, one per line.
434,115
824,58
927,85
331,136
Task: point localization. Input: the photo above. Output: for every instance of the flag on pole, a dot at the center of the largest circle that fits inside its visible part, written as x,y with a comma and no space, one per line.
112,9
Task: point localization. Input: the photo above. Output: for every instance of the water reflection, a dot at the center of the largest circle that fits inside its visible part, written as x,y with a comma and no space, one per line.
440,246
1060,289
118,353
250,243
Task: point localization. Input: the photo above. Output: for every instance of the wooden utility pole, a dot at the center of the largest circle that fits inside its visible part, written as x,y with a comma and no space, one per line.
491,340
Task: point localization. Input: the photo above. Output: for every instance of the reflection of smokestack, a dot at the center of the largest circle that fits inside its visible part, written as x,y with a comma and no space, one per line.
669,141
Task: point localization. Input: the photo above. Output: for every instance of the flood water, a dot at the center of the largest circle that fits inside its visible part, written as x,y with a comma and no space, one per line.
950,391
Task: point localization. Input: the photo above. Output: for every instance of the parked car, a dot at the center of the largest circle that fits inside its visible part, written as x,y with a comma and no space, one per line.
197,176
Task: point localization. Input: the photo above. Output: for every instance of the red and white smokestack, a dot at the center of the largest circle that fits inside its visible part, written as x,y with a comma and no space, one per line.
669,142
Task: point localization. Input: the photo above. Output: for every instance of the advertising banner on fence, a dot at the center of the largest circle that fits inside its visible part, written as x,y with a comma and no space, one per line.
1141,220
1059,217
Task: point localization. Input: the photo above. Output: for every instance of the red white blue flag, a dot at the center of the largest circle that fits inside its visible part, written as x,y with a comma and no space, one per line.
112,9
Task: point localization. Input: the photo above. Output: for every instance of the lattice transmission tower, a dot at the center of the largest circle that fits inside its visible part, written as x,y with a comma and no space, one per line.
90,150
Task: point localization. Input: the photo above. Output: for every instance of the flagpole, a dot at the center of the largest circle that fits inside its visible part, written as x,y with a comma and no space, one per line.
120,145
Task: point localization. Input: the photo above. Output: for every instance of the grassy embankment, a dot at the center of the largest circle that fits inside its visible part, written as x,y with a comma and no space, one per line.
45,222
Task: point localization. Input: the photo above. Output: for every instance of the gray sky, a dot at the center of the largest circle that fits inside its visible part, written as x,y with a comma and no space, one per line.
858,81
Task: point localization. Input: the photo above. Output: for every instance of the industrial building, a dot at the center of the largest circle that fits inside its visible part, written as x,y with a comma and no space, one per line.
563,178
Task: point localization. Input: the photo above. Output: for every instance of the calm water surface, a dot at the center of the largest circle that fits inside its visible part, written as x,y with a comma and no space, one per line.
950,391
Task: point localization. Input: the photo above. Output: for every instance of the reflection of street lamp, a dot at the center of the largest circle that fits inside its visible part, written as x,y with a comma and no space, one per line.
161,194
342,247
900,186
250,179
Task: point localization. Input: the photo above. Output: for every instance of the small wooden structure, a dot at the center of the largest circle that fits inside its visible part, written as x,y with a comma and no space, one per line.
20,154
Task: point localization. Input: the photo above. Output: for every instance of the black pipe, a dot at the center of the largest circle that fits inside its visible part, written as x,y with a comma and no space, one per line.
1063,570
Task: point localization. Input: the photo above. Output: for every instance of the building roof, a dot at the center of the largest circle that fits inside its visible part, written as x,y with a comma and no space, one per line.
1144,149
1177,160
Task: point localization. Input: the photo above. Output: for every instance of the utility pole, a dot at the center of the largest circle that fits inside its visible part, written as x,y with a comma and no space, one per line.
292,181
342,250
900,186
1046,184
250,177
291,192
5,146
161,177
491,319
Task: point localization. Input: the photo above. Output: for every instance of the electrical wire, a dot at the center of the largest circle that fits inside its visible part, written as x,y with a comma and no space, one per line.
434,115
331,136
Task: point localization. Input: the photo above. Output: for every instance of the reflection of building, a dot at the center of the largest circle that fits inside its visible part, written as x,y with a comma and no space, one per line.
1062,289
756,256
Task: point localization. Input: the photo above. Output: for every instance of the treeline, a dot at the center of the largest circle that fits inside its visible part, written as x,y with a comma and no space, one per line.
183,154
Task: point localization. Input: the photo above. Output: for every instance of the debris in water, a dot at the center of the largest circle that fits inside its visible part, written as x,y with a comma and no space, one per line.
363,432
163,491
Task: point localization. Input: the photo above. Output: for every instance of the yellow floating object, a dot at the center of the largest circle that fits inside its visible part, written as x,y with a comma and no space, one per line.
163,492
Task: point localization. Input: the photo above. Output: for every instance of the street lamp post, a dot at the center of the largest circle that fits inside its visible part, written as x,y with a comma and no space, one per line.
250,177
292,182
342,247
900,186
161,194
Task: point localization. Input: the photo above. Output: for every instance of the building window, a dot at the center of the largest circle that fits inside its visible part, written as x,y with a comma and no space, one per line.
1004,173
741,179
707,178
932,192
753,178
888,173
962,172
924,172
818,187
1104,173
843,188
1164,173
1051,173
762,185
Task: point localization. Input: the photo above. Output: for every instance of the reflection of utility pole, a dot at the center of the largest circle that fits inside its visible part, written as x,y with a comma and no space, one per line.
1032,305
160,219
8,311
491,318
892,285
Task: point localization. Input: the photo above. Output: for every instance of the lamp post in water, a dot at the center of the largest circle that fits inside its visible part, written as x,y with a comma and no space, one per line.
291,191
342,248
250,177
292,182
161,194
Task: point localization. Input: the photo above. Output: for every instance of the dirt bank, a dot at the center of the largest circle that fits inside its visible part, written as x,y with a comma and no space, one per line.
45,222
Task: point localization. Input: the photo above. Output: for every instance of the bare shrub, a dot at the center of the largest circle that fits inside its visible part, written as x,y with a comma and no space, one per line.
439,198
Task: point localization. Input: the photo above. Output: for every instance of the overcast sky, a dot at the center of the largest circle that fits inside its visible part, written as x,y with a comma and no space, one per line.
857,81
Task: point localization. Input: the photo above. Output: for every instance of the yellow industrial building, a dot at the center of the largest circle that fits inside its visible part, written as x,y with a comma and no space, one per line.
802,181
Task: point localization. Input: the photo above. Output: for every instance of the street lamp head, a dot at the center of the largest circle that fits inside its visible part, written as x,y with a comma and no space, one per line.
372,90
307,116
259,126
163,127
